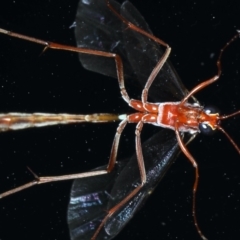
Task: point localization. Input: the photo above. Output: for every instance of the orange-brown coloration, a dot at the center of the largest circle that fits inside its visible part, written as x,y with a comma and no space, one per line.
187,116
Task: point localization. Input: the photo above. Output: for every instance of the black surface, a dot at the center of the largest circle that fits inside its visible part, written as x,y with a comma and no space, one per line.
55,82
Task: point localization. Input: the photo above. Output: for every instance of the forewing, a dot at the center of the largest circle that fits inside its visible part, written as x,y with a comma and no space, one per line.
159,152
143,55
91,198
97,27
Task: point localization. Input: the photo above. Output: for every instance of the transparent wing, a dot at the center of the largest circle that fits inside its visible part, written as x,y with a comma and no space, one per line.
143,55
100,29
92,197
160,151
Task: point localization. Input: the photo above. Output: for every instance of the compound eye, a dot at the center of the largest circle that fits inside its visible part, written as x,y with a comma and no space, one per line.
206,129
211,110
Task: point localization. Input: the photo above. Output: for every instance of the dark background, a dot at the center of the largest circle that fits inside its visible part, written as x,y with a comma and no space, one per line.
55,82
